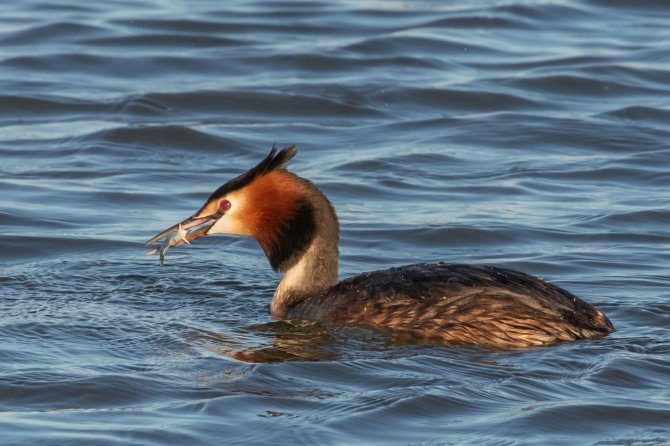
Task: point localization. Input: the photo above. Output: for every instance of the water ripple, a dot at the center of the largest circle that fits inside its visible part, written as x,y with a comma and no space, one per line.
532,135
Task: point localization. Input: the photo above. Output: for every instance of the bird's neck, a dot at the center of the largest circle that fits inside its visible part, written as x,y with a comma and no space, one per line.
315,270
313,274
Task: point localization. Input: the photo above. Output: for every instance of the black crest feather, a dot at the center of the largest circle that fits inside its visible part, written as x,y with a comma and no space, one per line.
274,161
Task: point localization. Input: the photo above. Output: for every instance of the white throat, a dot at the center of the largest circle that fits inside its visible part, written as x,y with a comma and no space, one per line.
315,272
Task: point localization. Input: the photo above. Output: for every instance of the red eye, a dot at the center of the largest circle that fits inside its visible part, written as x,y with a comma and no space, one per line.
224,205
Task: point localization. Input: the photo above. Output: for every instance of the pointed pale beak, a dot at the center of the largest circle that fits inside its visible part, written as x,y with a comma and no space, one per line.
205,224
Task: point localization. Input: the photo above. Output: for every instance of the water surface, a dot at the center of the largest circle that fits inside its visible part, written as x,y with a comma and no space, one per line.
523,134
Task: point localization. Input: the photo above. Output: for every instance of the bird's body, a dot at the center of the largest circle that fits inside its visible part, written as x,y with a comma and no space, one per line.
458,304
297,228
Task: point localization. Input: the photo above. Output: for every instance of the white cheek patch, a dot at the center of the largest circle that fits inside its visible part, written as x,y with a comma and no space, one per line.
230,222
226,225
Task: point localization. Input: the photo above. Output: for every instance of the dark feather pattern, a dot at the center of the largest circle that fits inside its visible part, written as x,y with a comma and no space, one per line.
275,160
459,304
293,239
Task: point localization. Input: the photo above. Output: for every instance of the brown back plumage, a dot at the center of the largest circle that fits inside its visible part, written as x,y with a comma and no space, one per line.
459,304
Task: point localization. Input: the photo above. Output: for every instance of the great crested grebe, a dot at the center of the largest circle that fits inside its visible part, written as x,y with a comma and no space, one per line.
447,303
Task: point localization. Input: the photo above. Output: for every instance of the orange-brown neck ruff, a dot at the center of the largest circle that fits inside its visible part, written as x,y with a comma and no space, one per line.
280,217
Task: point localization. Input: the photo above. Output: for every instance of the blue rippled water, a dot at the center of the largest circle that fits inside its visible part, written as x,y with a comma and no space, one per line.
532,135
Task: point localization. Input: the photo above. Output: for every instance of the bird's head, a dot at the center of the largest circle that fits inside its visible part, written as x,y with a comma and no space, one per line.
267,203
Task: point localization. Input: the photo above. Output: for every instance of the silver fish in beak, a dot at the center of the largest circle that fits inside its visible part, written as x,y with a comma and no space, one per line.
179,235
